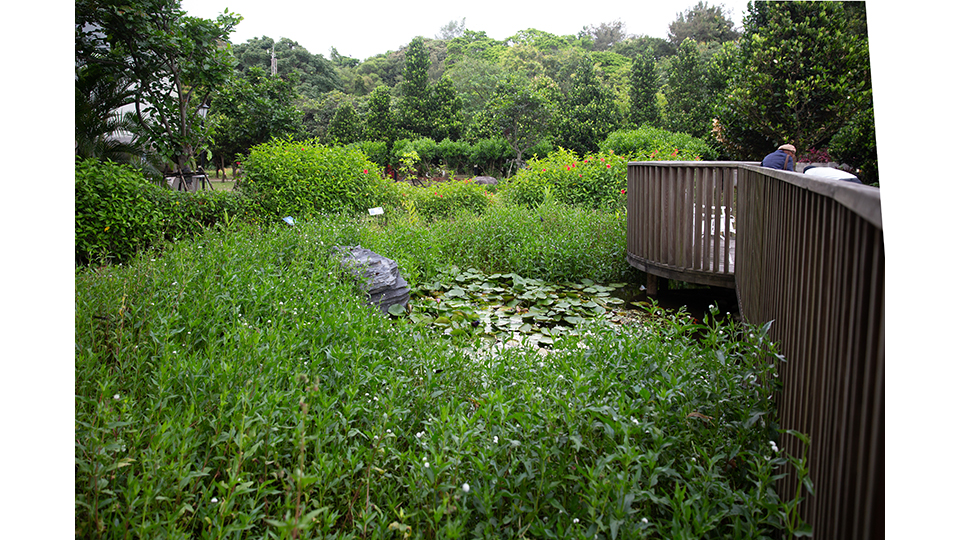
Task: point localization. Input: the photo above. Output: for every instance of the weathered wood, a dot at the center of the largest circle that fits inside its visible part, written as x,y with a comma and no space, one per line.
811,260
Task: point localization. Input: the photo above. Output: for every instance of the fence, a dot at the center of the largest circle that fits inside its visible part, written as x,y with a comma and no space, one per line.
809,257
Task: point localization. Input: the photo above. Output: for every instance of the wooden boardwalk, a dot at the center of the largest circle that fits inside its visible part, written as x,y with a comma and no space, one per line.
811,260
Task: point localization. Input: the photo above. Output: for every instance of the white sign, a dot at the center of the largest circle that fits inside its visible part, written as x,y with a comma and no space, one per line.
375,211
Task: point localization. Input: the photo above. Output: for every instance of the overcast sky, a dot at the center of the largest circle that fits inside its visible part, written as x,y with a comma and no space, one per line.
364,29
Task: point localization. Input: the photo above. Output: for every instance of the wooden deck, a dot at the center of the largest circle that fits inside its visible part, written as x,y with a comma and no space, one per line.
811,261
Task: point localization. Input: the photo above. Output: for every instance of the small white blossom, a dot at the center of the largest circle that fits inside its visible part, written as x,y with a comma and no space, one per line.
116,396
576,520
214,500
466,487
496,439
644,520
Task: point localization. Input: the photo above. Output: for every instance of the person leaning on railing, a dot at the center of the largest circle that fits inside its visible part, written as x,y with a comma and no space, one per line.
784,158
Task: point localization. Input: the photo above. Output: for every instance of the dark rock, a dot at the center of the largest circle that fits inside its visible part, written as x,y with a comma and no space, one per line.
383,282
485,180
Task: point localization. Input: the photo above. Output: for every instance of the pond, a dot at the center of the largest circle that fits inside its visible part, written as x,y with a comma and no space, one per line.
509,307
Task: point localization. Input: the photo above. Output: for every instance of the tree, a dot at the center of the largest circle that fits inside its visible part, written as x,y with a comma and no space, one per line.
447,114
249,110
174,62
799,77
643,91
99,123
414,106
315,75
452,30
520,113
380,123
604,36
345,128
702,23
688,93
588,112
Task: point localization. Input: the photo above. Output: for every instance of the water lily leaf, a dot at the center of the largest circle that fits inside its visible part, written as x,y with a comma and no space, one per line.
456,292
397,310
525,328
442,321
573,320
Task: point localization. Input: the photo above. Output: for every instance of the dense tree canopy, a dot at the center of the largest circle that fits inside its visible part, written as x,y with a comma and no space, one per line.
799,73
173,63
800,77
702,23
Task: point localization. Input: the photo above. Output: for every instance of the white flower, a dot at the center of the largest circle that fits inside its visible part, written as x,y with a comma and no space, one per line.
576,520
214,500
466,487
496,439
644,520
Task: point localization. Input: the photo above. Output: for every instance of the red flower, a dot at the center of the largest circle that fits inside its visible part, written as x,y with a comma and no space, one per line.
623,191
365,171
544,169
608,166
568,167
601,159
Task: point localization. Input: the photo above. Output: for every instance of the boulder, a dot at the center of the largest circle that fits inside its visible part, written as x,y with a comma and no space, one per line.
485,180
381,277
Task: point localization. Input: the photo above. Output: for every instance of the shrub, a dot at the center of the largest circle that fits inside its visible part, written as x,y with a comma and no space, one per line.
114,214
492,155
445,200
856,145
455,155
376,151
654,144
186,214
289,178
597,181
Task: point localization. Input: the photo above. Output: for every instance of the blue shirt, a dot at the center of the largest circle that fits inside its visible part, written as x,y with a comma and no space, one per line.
776,160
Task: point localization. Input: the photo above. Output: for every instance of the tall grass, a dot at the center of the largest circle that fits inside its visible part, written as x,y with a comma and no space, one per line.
553,242
235,386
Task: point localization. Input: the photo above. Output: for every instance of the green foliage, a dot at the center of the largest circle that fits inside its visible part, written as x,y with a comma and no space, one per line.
695,83
643,90
856,145
376,151
173,62
491,155
238,387
314,74
455,155
588,113
114,215
444,200
414,109
251,109
702,23
653,144
801,75
520,113
291,178
447,118
596,181
380,124
346,127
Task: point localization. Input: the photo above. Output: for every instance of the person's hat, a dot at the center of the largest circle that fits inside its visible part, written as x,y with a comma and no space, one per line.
788,148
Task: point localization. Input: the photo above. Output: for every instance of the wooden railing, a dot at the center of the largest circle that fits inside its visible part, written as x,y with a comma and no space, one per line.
809,256
683,220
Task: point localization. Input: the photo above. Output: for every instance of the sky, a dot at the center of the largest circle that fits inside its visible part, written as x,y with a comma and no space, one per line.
366,29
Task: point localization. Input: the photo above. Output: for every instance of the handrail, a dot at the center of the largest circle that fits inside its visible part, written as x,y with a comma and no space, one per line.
684,221
809,256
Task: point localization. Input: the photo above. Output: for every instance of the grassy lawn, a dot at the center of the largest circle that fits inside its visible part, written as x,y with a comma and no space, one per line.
235,385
